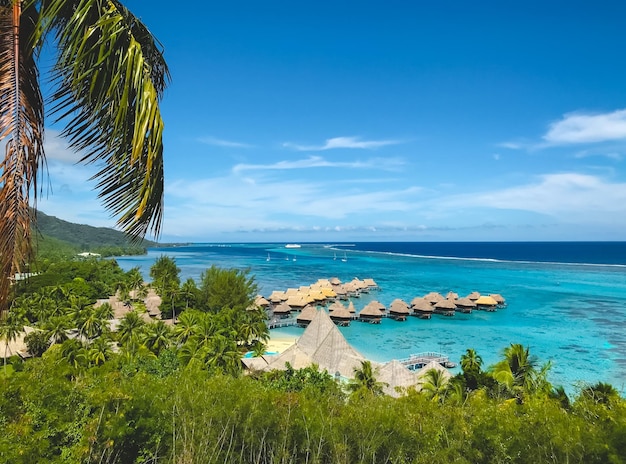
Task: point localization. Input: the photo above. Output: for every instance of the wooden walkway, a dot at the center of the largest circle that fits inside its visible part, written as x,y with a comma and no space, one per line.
419,360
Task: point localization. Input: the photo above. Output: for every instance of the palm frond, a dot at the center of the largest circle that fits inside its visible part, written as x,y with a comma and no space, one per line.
21,130
111,75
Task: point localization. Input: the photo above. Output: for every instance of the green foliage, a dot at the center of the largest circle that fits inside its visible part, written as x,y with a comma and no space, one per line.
37,342
226,288
82,237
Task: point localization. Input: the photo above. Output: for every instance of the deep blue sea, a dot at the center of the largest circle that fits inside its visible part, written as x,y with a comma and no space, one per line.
566,301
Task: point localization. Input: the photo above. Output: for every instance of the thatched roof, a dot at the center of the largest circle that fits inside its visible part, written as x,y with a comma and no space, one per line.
499,298
307,314
452,296
370,283
465,303
294,355
334,281
16,346
282,308
474,296
324,344
335,306
486,301
434,297
396,377
277,296
421,305
296,301
341,313
261,301
399,306
371,310
351,308
445,304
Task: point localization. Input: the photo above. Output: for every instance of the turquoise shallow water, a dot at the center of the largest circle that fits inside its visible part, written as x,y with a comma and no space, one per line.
573,315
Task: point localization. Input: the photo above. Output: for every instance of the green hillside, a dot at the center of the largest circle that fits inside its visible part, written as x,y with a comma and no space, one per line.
56,234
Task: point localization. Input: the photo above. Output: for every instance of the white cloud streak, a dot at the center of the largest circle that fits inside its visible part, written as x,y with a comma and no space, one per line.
343,142
570,197
319,162
587,128
214,141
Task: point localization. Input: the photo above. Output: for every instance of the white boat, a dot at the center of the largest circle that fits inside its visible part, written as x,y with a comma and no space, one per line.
345,258
268,257
334,256
294,258
292,245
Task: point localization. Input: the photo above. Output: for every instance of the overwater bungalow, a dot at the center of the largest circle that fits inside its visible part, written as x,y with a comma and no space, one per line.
283,310
434,297
261,302
474,296
499,299
306,316
399,310
445,307
452,296
371,284
486,303
465,305
340,315
422,308
371,313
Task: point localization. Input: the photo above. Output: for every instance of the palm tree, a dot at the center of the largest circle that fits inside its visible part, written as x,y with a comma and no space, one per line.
107,81
364,381
130,327
471,361
10,328
157,337
99,351
435,384
518,372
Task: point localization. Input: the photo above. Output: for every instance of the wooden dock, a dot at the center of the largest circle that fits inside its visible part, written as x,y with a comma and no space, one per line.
417,361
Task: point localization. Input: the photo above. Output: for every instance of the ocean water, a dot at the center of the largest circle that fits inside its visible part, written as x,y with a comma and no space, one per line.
565,301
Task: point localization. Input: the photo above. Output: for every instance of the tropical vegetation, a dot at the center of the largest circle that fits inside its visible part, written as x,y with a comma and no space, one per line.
144,390
106,81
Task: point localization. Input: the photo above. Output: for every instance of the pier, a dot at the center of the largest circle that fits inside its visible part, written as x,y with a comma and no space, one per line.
417,361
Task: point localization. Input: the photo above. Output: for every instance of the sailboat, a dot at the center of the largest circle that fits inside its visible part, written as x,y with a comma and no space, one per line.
345,258
335,257
268,257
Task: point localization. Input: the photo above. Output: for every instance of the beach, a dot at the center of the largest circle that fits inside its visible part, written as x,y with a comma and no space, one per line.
278,343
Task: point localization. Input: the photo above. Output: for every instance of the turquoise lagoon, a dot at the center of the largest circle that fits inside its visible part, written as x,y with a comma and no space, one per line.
572,314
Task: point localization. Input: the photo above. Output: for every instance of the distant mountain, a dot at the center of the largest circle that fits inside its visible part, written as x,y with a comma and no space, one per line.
83,236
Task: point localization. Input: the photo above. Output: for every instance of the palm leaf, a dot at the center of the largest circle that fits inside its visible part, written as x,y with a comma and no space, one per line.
21,130
110,76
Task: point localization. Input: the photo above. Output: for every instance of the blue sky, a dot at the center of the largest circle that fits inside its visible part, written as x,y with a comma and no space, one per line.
397,120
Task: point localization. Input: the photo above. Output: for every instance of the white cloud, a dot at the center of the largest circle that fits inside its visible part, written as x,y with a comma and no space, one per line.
319,162
209,140
587,128
343,142
572,197
56,148
511,145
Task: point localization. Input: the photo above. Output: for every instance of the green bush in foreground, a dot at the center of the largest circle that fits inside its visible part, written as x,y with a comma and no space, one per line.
162,413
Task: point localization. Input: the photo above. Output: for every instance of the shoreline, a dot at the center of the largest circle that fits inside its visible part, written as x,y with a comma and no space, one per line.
279,343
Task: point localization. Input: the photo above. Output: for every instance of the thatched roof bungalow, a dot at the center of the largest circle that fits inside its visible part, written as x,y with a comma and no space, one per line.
486,303
399,310
445,307
371,313
464,305
422,308
306,316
